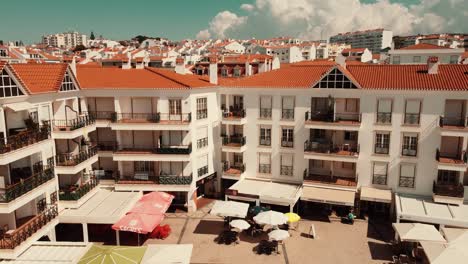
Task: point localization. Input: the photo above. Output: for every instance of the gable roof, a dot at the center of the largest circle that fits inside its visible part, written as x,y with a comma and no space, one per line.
40,78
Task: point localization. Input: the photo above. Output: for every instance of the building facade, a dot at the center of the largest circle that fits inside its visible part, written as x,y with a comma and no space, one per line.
65,40
374,40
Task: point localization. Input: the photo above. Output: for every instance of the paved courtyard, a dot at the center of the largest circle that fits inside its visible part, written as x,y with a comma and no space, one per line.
362,242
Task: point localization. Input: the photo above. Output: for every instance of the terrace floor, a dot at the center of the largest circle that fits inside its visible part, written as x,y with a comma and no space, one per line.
453,161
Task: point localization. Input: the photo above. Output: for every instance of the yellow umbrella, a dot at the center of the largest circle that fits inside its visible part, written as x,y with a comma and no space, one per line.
292,217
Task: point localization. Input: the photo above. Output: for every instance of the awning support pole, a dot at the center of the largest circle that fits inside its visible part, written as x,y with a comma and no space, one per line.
117,237
85,233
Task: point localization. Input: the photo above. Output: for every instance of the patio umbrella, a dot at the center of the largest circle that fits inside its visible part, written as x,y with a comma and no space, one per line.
138,223
229,209
239,224
415,232
151,207
292,217
454,252
157,196
258,209
113,255
272,218
278,235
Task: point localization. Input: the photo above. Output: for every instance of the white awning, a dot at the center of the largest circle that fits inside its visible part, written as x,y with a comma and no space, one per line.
230,209
328,196
415,232
20,106
453,252
168,254
376,195
51,252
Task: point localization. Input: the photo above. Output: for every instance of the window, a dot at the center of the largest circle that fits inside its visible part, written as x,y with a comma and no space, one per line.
143,169
265,107
318,134
8,87
396,59
202,135
286,168
237,72
348,165
238,159
265,136
351,105
67,83
238,102
224,72
384,111
202,108
407,175
335,79
416,59
317,163
264,163
287,137
382,143
202,165
287,104
412,112
350,135
379,175
410,145
445,177
453,59
175,107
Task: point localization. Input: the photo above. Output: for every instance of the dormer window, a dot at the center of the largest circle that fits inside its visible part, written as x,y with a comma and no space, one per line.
67,84
336,79
237,72
224,72
8,86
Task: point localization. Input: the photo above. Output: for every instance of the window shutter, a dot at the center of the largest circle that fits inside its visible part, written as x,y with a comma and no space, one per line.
413,106
202,132
385,106
287,160
380,168
288,102
407,170
264,158
265,102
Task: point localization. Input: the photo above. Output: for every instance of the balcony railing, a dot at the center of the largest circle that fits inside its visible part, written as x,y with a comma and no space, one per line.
286,170
234,113
176,150
330,179
412,119
183,118
407,182
384,118
379,179
70,159
202,114
453,121
462,156
236,167
409,150
330,148
74,194
264,141
24,139
16,190
450,190
202,142
73,124
264,168
381,148
287,114
265,113
101,115
21,234
234,140
105,145
332,117
202,171
148,178
151,117
287,143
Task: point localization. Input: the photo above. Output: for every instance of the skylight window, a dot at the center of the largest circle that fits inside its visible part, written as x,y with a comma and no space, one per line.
8,87
335,79
67,84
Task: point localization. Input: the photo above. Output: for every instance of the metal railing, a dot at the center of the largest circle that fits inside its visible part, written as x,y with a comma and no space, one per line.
227,166
234,140
287,144
265,113
24,139
407,182
184,118
330,179
450,190
380,179
70,159
462,156
163,179
202,114
179,149
105,145
332,117
287,114
16,190
384,118
76,194
264,141
453,121
409,150
234,113
330,148
382,148
22,233
101,115
264,168
286,170
73,124
412,119
202,142
202,171
152,117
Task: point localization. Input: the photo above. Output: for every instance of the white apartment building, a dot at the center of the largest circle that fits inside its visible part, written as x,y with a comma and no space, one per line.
65,40
375,40
420,53
319,133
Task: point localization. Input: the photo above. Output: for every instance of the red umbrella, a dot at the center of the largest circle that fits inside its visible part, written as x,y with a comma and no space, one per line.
138,223
151,207
157,196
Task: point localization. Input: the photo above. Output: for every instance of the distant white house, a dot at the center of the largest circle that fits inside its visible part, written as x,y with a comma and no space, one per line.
419,53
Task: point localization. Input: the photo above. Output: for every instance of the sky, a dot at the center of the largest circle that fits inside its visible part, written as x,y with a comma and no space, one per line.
28,20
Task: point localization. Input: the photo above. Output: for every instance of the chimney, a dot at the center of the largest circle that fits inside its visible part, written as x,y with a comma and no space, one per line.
341,60
73,66
262,66
180,65
127,65
213,70
432,65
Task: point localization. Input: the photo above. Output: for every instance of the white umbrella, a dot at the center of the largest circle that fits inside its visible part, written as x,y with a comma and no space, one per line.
230,209
240,224
271,218
278,235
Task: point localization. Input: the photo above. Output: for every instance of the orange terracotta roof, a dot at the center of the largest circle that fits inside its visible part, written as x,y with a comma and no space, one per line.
148,78
450,77
40,78
423,46
2,64
465,55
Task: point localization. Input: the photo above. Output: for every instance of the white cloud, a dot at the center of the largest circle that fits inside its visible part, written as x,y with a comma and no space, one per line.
247,7
313,18
203,34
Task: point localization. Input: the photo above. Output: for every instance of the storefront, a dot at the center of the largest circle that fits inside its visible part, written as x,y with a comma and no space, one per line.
206,187
375,202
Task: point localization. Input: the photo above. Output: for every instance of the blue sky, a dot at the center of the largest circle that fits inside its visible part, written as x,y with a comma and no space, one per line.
29,19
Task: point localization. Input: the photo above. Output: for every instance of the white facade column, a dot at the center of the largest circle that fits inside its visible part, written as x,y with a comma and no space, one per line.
52,236
85,233
117,237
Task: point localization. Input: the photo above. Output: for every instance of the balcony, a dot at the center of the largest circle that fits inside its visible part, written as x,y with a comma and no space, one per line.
287,114
74,193
70,163
26,185
456,123
265,113
73,124
338,121
233,170
452,161
448,193
384,118
22,144
151,121
330,180
379,179
234,116
147,181
27,230
330,151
